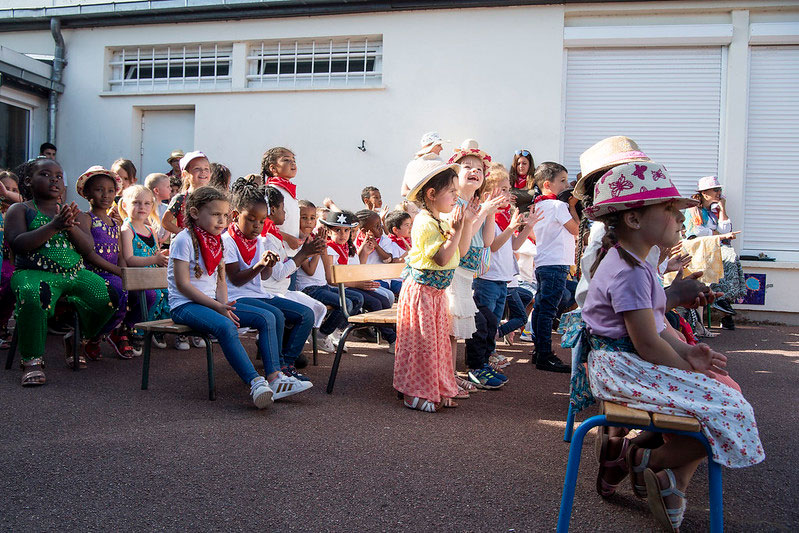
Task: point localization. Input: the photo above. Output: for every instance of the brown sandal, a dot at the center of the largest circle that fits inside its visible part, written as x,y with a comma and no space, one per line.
448,402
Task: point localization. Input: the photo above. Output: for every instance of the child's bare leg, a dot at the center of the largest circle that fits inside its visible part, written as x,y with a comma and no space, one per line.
682,455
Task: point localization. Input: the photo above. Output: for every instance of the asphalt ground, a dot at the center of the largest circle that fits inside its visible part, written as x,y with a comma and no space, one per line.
91,451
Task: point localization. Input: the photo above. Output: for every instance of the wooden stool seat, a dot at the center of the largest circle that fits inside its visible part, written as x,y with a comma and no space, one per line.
163,326
621,414
385,316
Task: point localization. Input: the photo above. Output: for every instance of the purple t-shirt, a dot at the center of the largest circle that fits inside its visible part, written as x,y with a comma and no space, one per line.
617,287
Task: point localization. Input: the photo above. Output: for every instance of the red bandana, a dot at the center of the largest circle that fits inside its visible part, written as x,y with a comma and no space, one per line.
502,218
342,249
271,229
210,248
543,197
521,182
283,183
246,246
402,242
359,238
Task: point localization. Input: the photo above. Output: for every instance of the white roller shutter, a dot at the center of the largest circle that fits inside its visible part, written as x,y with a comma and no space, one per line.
771,217
667,99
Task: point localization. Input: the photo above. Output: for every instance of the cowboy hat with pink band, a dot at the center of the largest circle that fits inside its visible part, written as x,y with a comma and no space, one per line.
632,186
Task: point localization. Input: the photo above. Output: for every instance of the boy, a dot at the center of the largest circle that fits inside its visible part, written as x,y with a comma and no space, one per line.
555,233
371,198
162,191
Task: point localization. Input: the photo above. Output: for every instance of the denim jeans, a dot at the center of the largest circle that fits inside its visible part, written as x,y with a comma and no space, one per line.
293,324
394,285
207,320
482,343
518,299
329,296
551,280
375,301
491,294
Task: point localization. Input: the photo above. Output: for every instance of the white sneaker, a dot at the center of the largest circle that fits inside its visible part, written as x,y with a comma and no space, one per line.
159,341
182,343
198,342
284,386
262,395
392,347
324,344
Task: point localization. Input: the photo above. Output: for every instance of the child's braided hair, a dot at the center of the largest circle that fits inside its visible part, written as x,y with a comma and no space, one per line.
610,240
274,198
197,199
246,193
437,183
25,170
270,158
585,225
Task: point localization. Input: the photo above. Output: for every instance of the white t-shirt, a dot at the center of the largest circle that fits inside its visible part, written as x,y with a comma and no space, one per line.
554,244
393,248
384,242
251,289
502,266
278,283
525,258
182,249
318,277
291,224
163,233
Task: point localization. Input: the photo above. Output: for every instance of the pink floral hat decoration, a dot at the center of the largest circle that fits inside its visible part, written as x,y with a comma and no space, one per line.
470,147
634,185
97,170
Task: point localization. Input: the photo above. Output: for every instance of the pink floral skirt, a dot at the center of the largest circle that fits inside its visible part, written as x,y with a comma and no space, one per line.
423,360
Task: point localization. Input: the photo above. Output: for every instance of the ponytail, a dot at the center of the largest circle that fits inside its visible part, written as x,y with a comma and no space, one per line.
610,240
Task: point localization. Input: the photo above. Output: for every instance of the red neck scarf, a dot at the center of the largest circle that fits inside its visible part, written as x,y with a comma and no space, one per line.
210,248
271,229
543,197
502,218
521,182
343,251
283,183
246,246
359,238
402,242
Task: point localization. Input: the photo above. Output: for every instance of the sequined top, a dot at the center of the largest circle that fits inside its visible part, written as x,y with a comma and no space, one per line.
106,241
57,255
142,248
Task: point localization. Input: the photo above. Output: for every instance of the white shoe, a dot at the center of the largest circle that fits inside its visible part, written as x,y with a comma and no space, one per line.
159,341
262,395
392,347
284,386
324,344
182,343
198,342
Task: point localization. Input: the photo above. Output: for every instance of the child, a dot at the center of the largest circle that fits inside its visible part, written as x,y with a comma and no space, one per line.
9,190
398,225
279,280
49,246
491,287
633,361
126,170
162,193
247,263
220,177
99,186
471,321
140,248
278,168
554,232
198,296
521,170
371,199
423,367
315,276
196,170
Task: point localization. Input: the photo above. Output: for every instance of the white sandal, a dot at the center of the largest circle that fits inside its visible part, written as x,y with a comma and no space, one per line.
670,519
425,406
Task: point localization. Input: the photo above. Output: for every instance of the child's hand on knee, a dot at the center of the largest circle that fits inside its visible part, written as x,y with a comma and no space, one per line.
704,359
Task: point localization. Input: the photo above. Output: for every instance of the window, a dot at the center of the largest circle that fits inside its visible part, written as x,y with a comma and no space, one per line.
171,68
317,63
14,135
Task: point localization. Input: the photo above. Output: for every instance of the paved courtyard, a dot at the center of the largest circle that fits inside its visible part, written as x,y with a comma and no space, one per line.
91,451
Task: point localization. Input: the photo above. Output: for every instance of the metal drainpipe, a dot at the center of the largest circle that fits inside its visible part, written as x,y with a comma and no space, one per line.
58,70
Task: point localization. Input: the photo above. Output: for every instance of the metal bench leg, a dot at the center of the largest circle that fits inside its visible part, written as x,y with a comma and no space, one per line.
337,360
313,344
567,435
145,368
716,494
210,356
572,467
76,344
12,350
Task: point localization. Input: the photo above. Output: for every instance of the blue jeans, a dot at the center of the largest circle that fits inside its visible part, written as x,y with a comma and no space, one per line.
207,320
551,280
298,318
329,296
395,285
375,301
491,294
518,299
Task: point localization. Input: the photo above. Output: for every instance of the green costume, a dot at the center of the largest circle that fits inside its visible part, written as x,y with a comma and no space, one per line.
45,275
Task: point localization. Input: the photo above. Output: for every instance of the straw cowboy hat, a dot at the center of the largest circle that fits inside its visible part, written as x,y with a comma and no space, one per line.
604,155
634,185
176,154
430,140
708,182
420,171
97,170
470,147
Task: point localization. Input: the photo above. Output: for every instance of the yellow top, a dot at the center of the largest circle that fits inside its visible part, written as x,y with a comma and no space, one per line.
426,239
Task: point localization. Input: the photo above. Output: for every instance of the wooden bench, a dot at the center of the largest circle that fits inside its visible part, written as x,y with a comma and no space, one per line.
617,415
146,278
387,317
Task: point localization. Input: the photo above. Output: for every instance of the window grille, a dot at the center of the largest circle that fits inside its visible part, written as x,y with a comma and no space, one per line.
171,68
317,63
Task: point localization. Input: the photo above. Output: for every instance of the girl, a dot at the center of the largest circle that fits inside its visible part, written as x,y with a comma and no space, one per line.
278,168
247,263
633,362
198,296
220,177
126,170
315,277
279,280
196,170
475,323
99,186
140,248
521,170
423,367
9,191
710,218
48,246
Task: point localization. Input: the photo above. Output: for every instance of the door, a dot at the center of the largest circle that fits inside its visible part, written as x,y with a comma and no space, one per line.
162,132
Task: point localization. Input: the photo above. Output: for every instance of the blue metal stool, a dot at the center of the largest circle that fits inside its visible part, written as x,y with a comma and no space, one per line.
619,416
